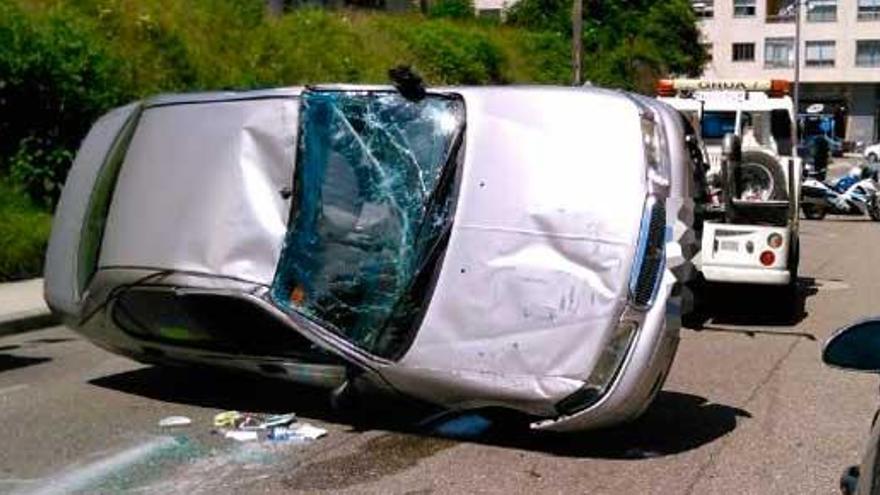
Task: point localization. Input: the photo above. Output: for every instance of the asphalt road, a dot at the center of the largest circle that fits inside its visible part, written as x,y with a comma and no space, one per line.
748,408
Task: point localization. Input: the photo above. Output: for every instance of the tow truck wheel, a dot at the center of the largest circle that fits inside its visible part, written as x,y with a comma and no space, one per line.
789,294
813,212
761,177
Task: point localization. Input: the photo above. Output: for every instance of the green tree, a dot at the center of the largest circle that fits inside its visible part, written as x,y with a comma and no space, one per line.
627,43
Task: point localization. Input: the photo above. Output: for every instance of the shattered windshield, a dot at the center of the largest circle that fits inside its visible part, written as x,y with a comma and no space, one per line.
374,193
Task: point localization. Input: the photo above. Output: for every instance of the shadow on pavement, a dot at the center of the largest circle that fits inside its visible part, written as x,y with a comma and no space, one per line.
675,422
757,305
218,389
10,362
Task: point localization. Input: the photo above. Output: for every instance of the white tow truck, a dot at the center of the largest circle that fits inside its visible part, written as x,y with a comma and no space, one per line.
750,220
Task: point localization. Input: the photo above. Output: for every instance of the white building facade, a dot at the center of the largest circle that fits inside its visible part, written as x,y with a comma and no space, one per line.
839,53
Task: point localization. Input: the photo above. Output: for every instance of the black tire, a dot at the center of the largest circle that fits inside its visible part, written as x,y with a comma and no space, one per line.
788,294
874,209
767,168
813,212
873,158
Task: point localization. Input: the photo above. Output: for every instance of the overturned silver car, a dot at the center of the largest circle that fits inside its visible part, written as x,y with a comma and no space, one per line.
516,247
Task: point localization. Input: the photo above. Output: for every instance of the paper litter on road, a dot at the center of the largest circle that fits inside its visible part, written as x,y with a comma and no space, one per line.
227,419
172,421
278,420
308,431
245,427
241,435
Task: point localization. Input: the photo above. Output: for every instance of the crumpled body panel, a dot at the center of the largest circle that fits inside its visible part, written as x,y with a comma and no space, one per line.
200,189
537,266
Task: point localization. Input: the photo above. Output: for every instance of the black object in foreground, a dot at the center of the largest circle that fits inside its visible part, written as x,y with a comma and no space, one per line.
408,82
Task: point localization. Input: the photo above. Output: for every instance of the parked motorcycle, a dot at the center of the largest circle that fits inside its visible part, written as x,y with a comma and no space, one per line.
853,194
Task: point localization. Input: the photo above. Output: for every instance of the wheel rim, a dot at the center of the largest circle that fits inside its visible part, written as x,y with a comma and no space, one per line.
756,182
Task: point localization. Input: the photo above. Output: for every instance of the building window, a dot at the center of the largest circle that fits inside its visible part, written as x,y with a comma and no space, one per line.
868,53
743,52
819,54
822,11
744,8
869,10
704,9
708,48
778,53
781,10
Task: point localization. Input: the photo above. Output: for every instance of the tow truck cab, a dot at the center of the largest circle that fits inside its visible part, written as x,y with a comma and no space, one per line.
750,223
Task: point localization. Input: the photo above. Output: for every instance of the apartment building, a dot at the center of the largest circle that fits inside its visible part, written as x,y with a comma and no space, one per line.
840,53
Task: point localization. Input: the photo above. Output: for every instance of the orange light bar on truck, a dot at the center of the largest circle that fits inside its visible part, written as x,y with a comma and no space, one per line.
773,87
665,87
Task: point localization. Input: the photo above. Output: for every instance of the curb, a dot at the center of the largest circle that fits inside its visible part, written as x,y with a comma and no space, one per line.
26,321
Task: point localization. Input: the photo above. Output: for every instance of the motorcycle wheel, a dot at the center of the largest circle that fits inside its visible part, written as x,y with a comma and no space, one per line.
874,209
813,212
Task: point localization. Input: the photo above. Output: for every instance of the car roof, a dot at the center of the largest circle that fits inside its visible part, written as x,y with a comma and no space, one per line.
514,92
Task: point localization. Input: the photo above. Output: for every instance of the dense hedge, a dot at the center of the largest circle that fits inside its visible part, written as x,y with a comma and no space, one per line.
24,231
65,63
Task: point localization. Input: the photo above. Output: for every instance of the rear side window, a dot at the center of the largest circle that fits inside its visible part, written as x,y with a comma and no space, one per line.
716,124
780,125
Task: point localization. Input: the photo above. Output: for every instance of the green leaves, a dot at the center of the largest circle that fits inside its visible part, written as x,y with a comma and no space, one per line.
24,232
627,43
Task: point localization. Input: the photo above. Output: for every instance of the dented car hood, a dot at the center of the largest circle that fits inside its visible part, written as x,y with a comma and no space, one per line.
536,273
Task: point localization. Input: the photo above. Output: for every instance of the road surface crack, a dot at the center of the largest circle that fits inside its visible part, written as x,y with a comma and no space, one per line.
716,454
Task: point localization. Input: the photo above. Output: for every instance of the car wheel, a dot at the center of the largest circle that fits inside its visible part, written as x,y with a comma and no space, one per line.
813,212
873,158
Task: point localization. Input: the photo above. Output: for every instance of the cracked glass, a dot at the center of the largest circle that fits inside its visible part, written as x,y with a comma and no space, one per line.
374,194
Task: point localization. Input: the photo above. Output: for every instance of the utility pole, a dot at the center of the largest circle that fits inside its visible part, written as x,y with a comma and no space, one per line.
577,41
797,64
275,7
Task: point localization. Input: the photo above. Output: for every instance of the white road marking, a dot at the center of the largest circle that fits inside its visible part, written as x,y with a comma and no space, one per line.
830,284
81,477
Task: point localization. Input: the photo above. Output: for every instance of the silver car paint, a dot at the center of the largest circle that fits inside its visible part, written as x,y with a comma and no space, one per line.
216,172
533,277
62,291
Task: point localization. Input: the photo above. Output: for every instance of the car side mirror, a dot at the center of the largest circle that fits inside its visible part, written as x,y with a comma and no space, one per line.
855,347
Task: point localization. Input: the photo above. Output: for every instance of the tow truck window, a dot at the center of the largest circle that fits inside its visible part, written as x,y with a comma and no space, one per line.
771,130
755,130
716,124
373,200
780,123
